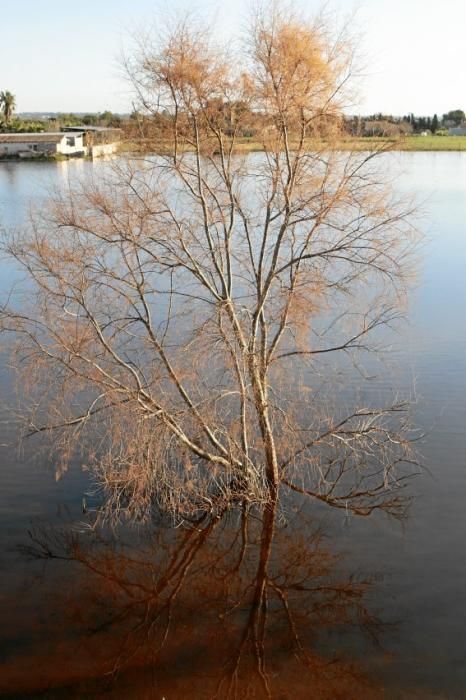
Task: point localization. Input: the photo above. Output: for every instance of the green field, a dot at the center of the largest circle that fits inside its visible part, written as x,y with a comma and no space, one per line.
349,143
409,143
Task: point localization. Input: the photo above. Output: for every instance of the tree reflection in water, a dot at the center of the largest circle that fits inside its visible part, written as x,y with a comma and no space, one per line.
231,607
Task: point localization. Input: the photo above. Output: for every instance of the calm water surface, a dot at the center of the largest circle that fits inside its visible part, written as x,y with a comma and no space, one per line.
204,585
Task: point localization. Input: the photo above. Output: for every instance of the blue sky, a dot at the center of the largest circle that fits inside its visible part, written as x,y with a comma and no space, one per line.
59,56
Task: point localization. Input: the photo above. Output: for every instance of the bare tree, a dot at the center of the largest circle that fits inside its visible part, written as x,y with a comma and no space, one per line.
184,304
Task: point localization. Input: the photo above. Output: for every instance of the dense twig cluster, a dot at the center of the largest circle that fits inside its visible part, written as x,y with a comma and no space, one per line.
183,303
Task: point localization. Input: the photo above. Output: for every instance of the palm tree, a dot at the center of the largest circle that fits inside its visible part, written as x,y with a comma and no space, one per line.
7,104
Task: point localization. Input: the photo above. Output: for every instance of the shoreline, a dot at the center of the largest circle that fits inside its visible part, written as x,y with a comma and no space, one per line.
413,144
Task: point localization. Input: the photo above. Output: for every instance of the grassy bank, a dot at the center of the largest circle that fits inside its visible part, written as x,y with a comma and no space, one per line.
407,143
251,145
42,158
350,143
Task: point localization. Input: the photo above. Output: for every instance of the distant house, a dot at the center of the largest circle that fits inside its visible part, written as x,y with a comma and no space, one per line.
98,140
458,130
45,144
71,141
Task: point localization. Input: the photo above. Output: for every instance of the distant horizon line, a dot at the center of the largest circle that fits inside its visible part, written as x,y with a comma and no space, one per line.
51,113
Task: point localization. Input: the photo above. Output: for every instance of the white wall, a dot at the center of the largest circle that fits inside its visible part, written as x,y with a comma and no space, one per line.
12,149
70,144
103,149
66,144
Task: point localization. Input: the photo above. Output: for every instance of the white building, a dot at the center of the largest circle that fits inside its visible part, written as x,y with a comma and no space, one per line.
46,144
98,140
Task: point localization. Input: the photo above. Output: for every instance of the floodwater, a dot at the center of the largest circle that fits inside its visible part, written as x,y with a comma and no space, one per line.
295,603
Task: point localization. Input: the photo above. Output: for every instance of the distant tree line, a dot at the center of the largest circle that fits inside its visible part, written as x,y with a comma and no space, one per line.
229,115
11,123
380,124
106,118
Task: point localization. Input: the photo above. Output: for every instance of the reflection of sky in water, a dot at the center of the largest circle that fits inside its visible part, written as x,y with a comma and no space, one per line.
424,565
26,184
28,491
21,183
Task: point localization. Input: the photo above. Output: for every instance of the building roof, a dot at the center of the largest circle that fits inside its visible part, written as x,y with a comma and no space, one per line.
83,127
41,137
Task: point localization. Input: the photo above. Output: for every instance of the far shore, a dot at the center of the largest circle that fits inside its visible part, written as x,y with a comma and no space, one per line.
406,143
396,143
348,143
252,145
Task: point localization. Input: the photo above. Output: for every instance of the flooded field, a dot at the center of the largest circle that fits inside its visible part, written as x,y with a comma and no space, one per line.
296,601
